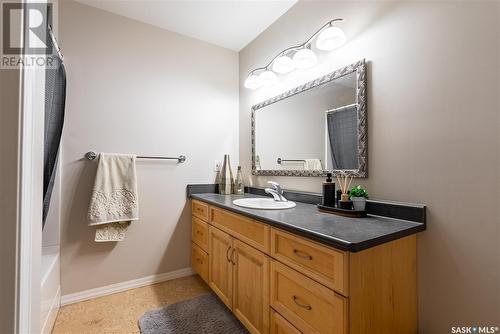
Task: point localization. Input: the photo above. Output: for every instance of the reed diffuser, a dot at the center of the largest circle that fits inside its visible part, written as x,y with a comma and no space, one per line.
344,180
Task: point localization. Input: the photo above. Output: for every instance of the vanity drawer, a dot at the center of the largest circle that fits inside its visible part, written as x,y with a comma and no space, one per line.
199,261
200,210
306,304
321,263
280,325
199,233
247,230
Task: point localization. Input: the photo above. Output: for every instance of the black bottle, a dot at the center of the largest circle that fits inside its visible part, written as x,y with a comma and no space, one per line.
329,191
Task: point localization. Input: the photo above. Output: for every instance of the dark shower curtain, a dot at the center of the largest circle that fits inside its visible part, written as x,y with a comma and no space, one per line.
55,97
343,135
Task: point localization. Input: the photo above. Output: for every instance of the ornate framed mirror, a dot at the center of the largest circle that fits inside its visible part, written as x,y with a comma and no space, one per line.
315,128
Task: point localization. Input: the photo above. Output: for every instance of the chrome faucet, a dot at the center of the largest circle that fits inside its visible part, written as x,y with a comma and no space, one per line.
276,191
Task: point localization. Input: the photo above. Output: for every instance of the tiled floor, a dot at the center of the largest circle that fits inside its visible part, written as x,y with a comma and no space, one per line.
118,313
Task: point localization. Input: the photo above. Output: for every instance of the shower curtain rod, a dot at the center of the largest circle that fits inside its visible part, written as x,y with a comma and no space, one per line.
54,41
341,108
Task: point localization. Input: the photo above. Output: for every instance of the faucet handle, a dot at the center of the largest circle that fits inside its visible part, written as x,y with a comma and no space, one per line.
275,186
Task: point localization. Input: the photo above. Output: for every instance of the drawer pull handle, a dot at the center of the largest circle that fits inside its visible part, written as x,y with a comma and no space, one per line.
302,255
227,254
296,301
233,257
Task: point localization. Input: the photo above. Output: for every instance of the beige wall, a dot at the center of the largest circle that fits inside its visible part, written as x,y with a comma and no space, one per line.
433,106
134,88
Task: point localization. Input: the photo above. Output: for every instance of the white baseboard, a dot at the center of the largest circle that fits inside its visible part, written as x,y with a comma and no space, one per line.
123,286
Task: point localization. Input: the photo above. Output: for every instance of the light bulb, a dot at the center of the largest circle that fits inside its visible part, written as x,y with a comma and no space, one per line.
267,78
283,65
305,58
253,82
330,39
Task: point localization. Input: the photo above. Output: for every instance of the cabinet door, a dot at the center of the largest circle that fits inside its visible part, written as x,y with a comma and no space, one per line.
220,266
280,325
251,287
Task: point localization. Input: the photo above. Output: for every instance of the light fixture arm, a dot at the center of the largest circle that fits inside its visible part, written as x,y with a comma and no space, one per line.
294,48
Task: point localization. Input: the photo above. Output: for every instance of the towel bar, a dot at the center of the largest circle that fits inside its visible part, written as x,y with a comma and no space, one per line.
91,155
279,160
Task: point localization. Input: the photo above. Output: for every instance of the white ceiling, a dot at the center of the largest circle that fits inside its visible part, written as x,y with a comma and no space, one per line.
231,24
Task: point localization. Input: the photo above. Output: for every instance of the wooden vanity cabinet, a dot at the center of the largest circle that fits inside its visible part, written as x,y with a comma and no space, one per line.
251,287
199,239
220,267
239,275
278,282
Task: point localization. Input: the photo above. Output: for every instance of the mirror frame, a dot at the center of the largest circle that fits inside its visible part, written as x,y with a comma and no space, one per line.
362,171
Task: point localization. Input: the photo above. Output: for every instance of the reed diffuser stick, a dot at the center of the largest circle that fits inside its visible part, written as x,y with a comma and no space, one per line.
344,181
349,186
340,183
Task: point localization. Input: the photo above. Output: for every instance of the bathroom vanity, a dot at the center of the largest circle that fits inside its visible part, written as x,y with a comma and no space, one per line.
302,271
299,270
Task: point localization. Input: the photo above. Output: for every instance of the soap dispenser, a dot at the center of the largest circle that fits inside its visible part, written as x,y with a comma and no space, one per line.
329,191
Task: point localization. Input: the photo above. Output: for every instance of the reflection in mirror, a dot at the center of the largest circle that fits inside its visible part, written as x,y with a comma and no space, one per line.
290,133
342,138
314,128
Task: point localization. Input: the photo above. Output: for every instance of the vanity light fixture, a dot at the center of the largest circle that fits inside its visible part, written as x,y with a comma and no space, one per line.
267,78
253,81
283,65
305,58
328,37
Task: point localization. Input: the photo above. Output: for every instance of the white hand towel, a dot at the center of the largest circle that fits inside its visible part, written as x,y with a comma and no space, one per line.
313,164
292,165
114,203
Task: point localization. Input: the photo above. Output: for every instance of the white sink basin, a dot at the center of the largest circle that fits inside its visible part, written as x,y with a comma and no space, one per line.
263,203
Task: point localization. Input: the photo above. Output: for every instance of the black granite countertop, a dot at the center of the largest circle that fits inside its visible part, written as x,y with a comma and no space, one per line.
351,234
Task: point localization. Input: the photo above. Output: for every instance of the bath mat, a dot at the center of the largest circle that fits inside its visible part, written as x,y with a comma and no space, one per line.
203,314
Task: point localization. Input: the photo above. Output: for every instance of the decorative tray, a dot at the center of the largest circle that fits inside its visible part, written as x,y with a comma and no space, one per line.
342,212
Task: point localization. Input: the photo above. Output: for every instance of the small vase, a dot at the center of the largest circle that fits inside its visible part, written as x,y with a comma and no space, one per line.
359,203
239,188
226,184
